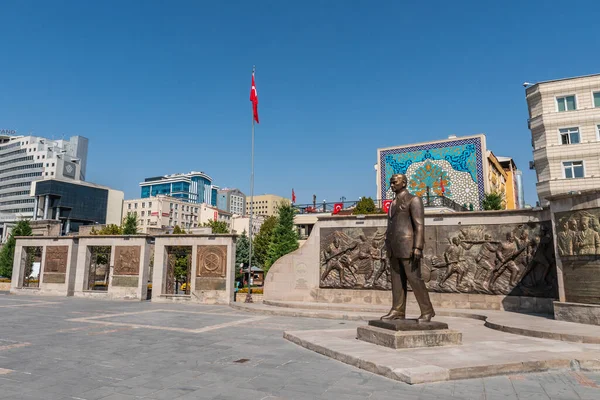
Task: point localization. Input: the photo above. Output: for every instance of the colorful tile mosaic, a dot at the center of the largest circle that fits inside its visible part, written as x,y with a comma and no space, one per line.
458,164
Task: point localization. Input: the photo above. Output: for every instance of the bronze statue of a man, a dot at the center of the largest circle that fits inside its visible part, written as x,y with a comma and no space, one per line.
404,241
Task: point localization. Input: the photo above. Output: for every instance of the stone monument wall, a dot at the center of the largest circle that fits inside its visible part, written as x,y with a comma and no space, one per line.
57,265
576,218
212,268
497,260
128,266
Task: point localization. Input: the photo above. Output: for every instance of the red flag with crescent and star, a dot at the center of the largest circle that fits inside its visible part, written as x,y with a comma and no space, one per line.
254,99
337,207
386,205
293,196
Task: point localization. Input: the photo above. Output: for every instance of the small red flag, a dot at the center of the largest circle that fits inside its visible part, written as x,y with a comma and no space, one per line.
386,205
254,99
293,196
337,207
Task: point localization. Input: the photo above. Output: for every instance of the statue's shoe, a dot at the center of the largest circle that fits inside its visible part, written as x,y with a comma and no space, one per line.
426,317
392,315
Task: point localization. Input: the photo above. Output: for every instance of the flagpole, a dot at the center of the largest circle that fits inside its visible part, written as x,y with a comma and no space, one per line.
249,295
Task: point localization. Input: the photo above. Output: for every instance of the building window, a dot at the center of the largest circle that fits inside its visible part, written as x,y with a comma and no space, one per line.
566,103
143,204
53,164
573,169
129,206
171,206
47,164
143,213
176,206
149,204
135,205
569,136
598,131
148,222
597,99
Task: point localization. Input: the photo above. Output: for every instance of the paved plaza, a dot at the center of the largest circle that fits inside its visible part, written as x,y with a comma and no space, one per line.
68,348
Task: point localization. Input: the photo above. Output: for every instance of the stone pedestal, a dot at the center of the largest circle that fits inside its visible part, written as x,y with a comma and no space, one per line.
408,334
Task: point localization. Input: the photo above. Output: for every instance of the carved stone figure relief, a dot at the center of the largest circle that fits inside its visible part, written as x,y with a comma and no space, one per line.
578,232
212,261
56,259
127,260
486,259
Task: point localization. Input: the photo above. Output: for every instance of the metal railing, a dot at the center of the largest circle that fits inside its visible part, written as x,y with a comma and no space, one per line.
347,206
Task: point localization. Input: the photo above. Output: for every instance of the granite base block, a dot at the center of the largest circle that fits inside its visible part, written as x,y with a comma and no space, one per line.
408,339
408,325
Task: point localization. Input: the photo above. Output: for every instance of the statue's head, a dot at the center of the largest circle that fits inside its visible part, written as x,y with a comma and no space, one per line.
585,223
487,236
510,237
398,182
455,240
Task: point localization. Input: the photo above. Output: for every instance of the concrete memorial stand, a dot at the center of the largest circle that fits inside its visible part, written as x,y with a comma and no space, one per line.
128,266
212,268
56,267
408,333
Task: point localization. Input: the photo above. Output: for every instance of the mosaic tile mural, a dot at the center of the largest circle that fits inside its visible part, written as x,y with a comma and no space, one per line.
456,164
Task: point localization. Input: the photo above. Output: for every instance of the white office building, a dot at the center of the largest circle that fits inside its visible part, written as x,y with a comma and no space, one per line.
26,158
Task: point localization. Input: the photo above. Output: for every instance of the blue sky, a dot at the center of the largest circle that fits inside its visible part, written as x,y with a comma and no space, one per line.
162,87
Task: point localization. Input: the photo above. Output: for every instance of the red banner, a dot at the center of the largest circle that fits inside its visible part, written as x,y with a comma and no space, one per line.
216,216
337,207
386,205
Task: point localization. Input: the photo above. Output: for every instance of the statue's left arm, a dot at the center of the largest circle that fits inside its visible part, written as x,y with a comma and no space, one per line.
417,214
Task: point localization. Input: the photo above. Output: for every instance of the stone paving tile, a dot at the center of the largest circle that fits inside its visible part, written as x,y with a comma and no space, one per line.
76,360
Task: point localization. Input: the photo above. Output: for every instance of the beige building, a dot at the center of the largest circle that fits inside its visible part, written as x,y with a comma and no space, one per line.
265,204
167,212
242,223
564,119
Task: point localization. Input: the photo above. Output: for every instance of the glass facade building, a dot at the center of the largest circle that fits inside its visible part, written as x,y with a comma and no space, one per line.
193,187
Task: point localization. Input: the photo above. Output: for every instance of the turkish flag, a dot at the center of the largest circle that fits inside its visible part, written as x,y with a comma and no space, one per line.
254,99
293,196
386,205
337,207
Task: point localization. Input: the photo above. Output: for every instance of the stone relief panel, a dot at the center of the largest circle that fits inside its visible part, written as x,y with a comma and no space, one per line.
578,242
578,233
486,259
212,261
127,260
56,259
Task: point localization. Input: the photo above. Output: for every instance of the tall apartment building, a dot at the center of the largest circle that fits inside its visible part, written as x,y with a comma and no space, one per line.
192,187
26,158
265,204
564,119
231,200
167,212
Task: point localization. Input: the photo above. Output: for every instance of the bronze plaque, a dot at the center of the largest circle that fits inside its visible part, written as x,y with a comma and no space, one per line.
125,281
210,284
54,278
56,259
509,259
127,260
212,261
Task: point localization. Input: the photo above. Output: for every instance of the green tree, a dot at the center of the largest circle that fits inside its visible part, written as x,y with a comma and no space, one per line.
365,205
7,254
284,239
262,241
217,226
130,224
110,229
242,253
177,230
493,201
